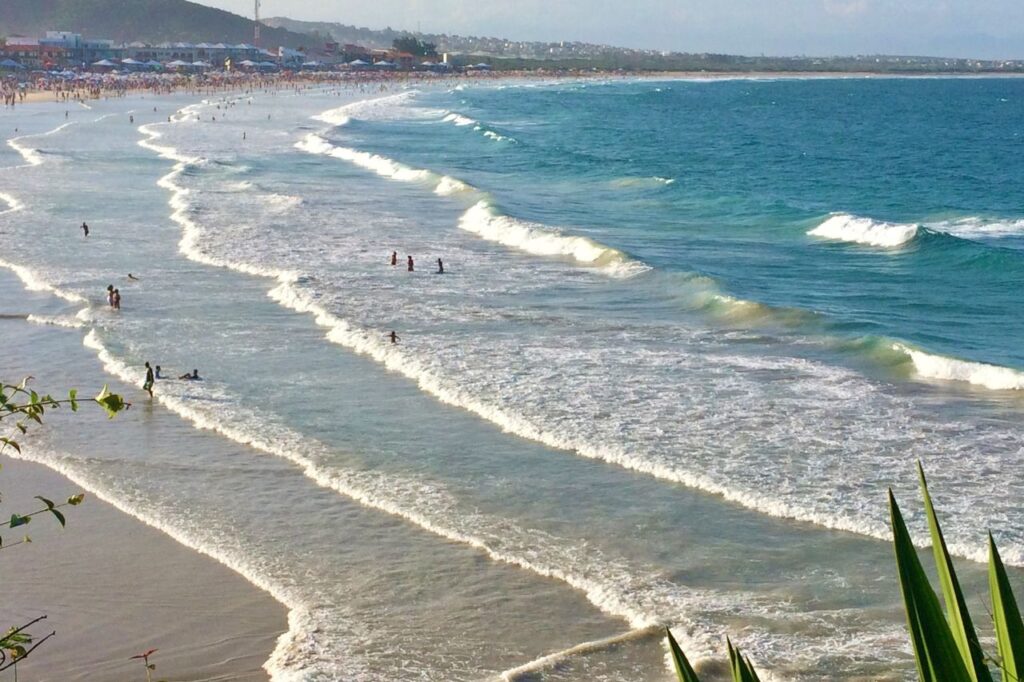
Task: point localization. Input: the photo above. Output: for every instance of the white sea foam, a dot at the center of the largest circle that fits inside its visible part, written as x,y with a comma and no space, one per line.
281,203
458,119
486,221
375,109
57,321
33,282
974,228
933,366
381,165
850,228
13,204
30,154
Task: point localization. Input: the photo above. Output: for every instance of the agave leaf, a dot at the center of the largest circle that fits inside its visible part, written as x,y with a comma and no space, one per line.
959,618
1009,629
935,650
684,671
742,671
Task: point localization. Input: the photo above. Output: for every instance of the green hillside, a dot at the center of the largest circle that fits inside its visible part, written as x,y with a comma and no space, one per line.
151,21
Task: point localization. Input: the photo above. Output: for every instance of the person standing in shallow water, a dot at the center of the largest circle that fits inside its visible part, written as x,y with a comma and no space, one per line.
394,337
85,229
110,295
411,266
394,258
440,267
147,385
116,299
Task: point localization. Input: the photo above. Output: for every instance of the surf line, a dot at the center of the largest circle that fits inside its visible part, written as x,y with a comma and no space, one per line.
607,597
619,593
363,342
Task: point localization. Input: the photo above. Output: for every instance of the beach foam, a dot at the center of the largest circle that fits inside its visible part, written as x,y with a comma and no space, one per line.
486,221
994,377
857,230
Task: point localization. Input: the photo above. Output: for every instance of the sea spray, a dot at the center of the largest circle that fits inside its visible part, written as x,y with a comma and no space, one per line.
849,228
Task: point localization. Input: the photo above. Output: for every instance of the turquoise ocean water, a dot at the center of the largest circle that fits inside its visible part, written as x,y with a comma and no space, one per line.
688,335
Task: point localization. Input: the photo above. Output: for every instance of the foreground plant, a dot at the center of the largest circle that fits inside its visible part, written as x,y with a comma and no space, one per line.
150,667
22,406
946,645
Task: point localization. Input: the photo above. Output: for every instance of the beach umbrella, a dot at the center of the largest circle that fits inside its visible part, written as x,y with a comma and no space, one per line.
104,62
131,62
358,62
153,64
247,62
384,63
268,65
177,63
201,64
10,64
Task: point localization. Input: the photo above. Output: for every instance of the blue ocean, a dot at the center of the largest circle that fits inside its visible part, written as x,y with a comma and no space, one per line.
687,335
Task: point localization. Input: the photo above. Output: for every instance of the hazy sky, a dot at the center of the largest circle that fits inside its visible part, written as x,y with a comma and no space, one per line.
963,28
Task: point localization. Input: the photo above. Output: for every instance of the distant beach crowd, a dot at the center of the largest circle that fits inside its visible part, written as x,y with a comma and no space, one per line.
80,87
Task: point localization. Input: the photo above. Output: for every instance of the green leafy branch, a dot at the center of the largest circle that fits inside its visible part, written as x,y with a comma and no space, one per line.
16,644
18,401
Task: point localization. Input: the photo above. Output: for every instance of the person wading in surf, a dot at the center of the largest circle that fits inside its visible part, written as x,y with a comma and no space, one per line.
394,258
147,385
411,266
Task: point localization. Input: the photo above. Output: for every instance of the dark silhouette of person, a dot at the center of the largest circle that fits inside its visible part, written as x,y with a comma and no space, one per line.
194,376
394,337
411,266
440,267
394,258
147,385
85,229
158,375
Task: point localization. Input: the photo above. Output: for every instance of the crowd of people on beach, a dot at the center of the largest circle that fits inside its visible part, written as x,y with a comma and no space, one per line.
82,86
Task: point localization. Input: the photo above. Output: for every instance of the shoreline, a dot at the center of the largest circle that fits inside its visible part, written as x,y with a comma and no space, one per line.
181,86
112,587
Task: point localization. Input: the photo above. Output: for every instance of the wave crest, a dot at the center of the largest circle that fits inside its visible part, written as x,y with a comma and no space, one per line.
484,220
850,228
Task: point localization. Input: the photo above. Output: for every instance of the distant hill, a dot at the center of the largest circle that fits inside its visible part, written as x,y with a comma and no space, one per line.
151,21
344,33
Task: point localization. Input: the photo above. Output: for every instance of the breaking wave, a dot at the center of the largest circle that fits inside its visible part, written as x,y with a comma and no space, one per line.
850,228
486,221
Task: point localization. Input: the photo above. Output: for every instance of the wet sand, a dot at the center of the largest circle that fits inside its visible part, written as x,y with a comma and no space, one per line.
113,587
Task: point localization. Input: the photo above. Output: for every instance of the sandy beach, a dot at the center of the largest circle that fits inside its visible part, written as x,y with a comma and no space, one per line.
112,587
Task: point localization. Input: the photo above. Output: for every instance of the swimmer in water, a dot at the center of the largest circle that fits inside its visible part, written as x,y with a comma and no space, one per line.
194,376
132,277
394,337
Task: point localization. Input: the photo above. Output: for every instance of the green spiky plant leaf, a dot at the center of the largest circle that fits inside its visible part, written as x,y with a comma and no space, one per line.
1009,628
935,649
742,670
684,671
960,624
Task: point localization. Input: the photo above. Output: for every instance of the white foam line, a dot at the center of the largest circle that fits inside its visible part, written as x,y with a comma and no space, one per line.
13,204
992,377
483,219
32,156
67,322
583,649
33,282
849,228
